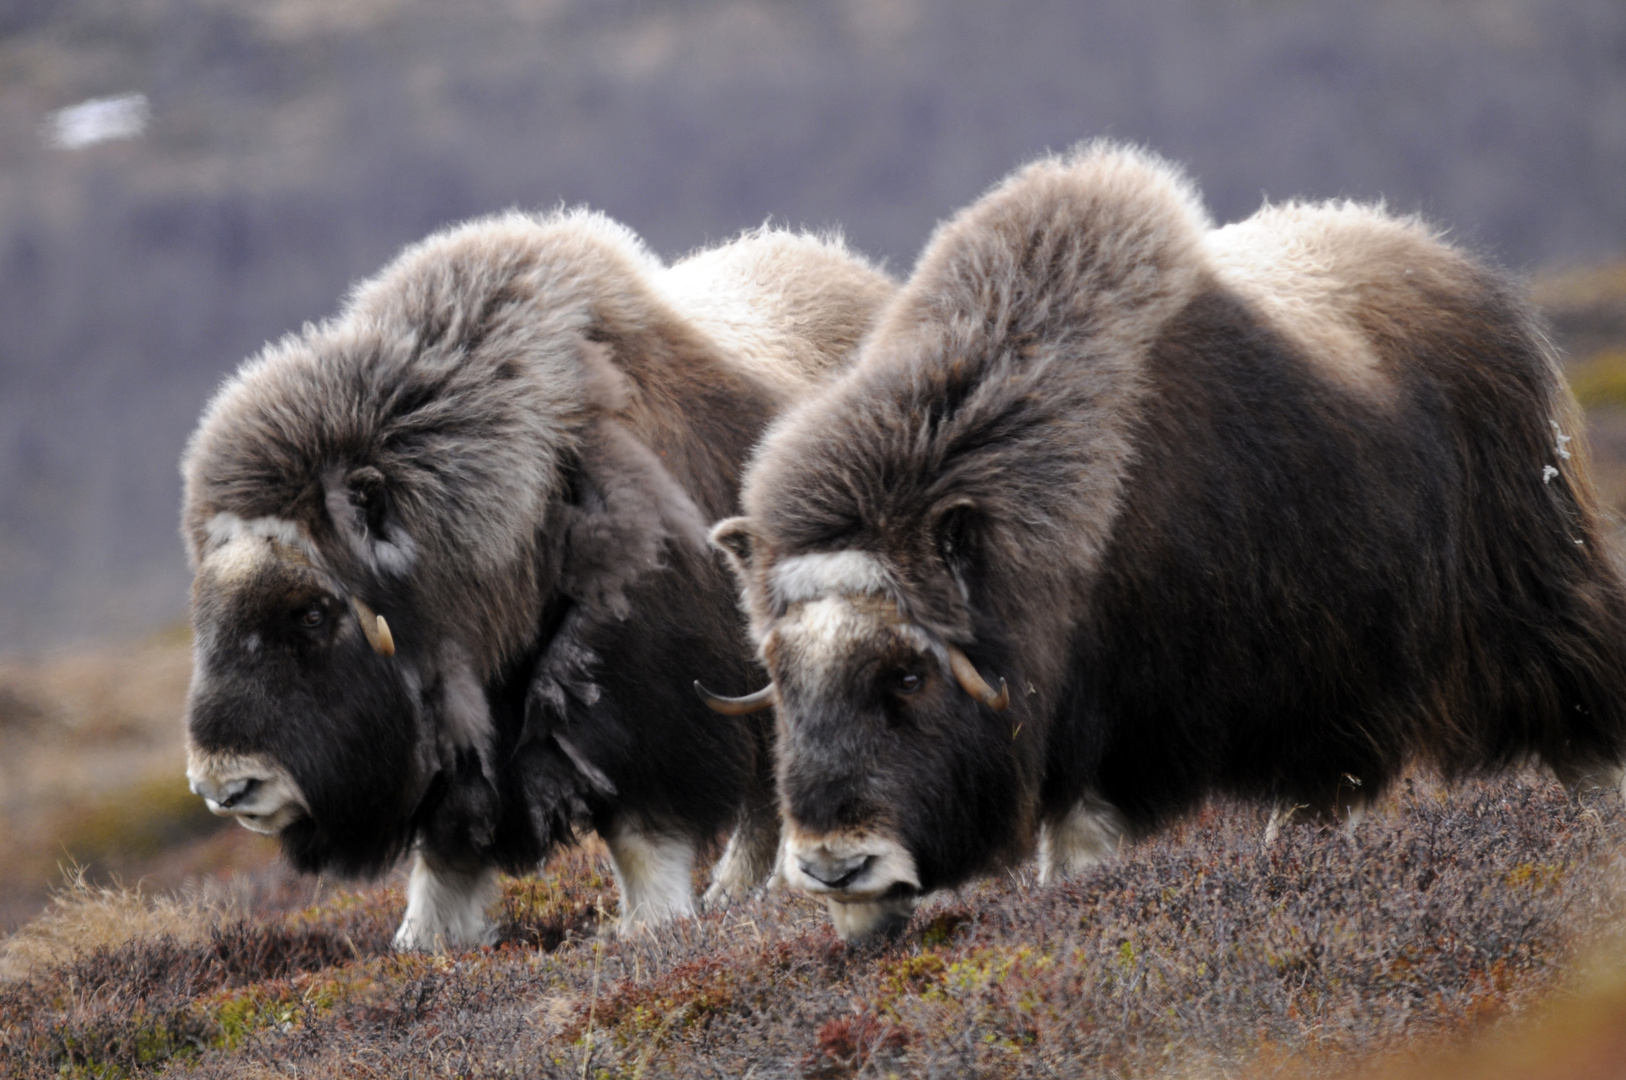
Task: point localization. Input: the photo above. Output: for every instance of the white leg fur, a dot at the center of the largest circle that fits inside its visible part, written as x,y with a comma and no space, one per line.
1088,835
854,922
751,855
652,873
1280,814
446,909
1354,814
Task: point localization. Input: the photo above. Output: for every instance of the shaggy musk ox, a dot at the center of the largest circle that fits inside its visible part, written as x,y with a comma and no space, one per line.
1116,509
451,570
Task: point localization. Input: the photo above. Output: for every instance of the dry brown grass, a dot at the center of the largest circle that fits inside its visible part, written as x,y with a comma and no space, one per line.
1587,306
83,918
1579,1035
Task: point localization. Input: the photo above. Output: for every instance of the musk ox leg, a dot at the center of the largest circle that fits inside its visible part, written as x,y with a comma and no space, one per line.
446,908
1280,814
751,855
870,918
1088,834
652,871
1349,806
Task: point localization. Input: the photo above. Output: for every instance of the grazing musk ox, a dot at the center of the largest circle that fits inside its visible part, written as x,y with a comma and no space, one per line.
1116,510
451,570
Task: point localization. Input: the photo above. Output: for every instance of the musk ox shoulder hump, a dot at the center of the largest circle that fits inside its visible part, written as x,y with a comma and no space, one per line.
1107,236
1323,274
1032,314
472,333
540,280
789,307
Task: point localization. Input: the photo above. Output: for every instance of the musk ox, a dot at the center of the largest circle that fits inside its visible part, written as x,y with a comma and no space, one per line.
451,570
1116,509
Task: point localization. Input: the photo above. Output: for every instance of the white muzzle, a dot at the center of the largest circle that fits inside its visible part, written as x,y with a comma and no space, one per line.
257,792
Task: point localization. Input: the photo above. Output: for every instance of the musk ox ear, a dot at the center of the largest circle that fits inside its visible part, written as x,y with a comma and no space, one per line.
358,501
732,536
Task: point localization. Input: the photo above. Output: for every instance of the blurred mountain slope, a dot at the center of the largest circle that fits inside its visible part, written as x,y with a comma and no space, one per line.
296,144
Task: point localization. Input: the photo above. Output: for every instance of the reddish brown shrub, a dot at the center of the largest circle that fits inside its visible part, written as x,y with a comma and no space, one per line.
847,1044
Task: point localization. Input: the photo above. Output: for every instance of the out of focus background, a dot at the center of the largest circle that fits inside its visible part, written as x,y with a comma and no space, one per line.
182,180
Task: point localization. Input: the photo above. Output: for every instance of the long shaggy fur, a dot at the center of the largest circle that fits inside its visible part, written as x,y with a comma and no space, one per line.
1268,509
508,444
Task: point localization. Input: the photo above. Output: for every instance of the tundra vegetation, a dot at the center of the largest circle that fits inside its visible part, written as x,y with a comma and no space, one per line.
1199,952
1473,930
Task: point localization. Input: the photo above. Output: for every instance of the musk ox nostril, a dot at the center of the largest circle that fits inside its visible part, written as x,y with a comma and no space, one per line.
836,873
236,791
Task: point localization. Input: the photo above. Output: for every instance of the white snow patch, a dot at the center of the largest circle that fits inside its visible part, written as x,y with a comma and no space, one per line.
98,120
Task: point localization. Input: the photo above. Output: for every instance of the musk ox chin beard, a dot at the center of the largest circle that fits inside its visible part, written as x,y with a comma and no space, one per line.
353,852
355,826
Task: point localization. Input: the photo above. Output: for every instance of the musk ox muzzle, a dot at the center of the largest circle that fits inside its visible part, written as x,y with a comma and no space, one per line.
867,878
255,790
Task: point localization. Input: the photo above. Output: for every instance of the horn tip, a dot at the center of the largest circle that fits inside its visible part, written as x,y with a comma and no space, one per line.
386,640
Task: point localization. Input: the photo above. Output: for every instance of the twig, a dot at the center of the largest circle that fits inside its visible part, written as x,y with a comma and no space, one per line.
592,1005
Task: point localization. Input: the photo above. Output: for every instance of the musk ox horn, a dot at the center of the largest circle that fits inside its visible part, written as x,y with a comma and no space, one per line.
974,684
376,629
737,706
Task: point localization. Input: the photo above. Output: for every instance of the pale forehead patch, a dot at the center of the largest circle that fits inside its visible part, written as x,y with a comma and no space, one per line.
819,636
225,527
819,574
239,546
237,558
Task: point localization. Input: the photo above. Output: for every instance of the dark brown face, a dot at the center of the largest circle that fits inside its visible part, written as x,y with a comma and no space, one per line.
299,725
893,778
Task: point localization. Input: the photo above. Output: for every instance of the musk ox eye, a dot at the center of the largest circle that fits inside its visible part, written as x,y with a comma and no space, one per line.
906,682
312,617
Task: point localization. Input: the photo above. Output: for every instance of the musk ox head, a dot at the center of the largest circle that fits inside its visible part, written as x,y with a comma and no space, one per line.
301,721
367,514
901,766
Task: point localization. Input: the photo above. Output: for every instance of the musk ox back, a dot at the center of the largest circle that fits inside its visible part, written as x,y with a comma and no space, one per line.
451,576
1116,510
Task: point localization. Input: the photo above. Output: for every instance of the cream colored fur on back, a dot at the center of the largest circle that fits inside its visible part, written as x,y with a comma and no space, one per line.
764,298
1312,271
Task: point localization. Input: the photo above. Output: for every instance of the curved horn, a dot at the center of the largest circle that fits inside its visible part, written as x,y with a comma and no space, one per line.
737,706
376,629
974,684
